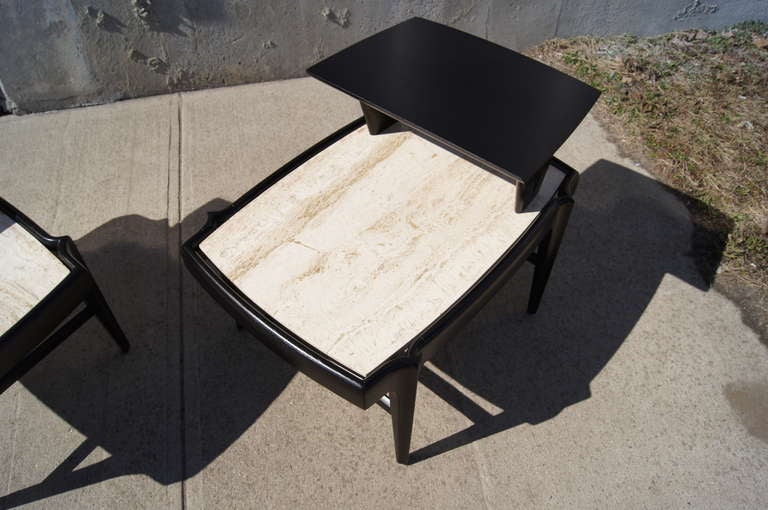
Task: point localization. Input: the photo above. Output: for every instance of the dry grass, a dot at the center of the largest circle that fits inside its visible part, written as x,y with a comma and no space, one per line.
696,103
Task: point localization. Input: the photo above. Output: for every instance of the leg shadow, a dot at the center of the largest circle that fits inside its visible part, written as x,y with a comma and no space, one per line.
134,406
626,233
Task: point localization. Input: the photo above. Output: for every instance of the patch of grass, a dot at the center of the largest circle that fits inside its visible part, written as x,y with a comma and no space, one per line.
696,103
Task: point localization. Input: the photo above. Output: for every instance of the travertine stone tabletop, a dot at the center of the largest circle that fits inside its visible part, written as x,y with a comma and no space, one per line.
28,272
363,246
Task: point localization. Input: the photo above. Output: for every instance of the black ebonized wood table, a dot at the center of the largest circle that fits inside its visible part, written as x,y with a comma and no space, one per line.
47,293
358,259
501,110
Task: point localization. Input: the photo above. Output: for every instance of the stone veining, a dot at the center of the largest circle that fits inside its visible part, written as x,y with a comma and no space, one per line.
363,246
28,272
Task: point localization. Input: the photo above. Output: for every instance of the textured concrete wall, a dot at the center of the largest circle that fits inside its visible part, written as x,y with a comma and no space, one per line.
57,54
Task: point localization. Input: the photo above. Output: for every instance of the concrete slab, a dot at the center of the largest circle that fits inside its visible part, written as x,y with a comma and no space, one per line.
89,427
634,385
598,400
619,390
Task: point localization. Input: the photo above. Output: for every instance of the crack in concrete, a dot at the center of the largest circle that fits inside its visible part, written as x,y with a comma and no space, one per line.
485,478
180,328
695,8
12,460
557,20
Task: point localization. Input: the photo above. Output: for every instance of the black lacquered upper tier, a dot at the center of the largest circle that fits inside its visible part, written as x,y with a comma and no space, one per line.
505,111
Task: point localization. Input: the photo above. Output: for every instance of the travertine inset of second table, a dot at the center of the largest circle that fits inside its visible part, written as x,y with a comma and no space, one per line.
360,257
46,293
29,272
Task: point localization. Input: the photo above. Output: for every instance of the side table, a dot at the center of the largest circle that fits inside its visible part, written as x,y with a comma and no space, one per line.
358,259
47,294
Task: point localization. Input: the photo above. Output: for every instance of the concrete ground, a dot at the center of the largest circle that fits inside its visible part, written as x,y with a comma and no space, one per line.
634,386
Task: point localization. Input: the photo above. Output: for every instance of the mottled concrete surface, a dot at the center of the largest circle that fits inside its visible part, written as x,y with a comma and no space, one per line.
95,427
634,385
61,54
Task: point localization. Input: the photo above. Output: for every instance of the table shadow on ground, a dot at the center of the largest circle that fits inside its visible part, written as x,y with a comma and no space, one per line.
625,234
132,406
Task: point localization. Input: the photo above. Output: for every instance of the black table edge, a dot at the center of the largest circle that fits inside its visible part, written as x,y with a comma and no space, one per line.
362,391
379,118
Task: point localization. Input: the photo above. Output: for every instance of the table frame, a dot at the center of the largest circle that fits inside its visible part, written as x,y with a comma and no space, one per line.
393,383
43,328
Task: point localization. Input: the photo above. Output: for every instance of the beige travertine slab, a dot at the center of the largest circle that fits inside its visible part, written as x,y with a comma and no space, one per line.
616,391
362,247
28,272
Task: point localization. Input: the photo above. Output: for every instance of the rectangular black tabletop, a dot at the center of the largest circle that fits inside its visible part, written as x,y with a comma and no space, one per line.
500,109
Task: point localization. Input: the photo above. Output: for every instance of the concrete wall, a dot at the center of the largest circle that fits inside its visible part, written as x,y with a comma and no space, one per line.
57,54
